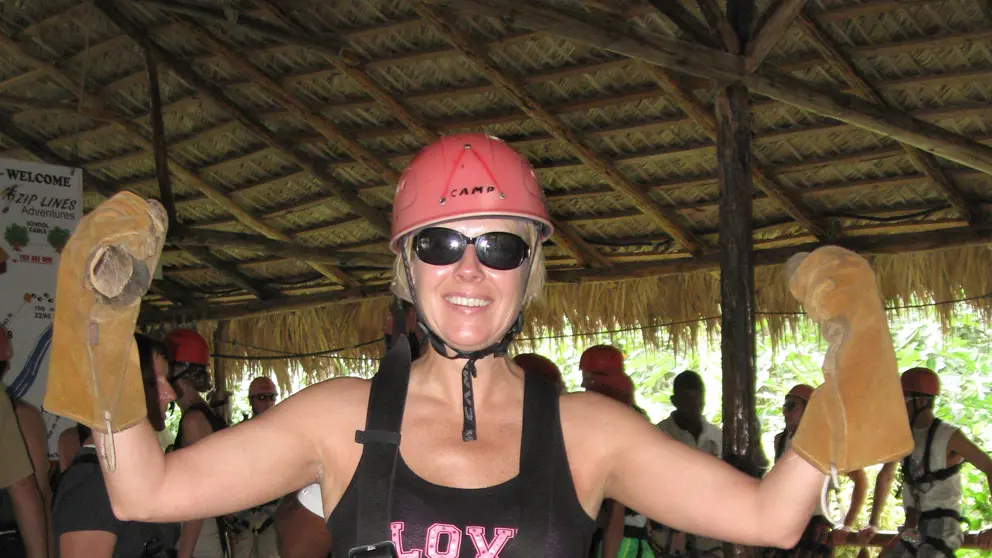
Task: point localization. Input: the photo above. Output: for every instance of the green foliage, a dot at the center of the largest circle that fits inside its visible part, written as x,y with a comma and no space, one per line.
58,237
17,236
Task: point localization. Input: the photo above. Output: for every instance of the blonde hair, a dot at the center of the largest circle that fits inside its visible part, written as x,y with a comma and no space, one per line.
535,279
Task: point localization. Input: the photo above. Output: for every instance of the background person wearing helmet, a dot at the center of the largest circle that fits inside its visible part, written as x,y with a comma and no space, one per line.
536,364
820,536
189,359
624,532
687,425
84,522
931,487
479,439
252,535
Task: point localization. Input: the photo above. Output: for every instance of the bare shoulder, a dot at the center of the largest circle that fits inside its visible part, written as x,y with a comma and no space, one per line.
29,417
595,427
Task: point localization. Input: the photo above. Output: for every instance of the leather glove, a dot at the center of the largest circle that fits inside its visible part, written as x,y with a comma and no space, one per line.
857,418
106,267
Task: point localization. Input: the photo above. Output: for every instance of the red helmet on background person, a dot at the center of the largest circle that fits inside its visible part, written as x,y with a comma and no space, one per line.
801,391
186,345
533,363
189,356
921,382
603,372
262,385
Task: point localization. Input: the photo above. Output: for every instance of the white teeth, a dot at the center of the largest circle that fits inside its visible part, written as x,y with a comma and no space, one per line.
465,301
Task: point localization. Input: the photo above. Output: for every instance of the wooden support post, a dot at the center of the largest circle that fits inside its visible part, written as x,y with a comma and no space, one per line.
158,141
220,367
733,113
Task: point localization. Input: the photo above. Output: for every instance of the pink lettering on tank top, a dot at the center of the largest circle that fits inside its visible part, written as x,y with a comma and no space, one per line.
453,544
396,529
492,549
449,546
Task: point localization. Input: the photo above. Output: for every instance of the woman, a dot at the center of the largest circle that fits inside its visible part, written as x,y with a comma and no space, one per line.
468,223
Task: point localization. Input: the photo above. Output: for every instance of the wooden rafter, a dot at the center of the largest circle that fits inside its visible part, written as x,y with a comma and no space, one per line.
204,238
182,69
564,236
307,114
619,64
924,161
231,271
718,21
789,200
96,106
684,20
775,24
159,144
622,38
668,220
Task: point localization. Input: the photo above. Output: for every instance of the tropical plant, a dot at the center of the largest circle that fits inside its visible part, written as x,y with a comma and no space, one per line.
17,236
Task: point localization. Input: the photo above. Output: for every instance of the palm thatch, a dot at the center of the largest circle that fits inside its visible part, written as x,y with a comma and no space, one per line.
288,123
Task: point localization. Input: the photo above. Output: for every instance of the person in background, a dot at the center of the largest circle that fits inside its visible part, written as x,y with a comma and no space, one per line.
536,364
624,531
189,358
251,532
820,537
25,527
931,488
85,524
687,425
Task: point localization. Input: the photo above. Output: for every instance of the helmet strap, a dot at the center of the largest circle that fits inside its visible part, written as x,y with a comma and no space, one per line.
921,410
499,349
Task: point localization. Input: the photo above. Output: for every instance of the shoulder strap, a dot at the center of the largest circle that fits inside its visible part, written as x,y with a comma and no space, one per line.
381,438
540,449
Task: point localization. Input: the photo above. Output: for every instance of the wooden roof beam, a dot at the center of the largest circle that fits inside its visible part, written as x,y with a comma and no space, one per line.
620,37
230,270
346,195
96,105
924,161
312,117
186,72
355,72
685,21
206,238
668,220
774,25
718,22
790,200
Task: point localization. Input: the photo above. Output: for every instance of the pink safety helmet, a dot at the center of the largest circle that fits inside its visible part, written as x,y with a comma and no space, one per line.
463,176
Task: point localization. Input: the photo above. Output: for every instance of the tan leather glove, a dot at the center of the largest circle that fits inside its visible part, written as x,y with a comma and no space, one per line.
107,266
857,418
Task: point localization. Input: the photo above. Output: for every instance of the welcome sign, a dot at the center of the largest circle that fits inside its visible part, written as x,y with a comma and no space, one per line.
40,206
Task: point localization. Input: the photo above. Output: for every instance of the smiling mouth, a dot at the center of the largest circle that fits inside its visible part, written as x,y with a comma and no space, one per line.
468,302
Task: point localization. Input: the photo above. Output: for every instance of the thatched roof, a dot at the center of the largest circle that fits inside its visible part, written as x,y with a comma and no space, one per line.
288,122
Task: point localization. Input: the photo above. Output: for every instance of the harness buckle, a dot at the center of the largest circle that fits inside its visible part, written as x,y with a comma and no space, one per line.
384,549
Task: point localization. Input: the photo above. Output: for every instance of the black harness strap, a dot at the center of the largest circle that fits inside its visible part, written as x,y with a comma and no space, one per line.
538,454
928,476
381,438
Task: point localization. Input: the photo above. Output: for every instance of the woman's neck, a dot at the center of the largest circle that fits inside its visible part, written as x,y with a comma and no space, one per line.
441,377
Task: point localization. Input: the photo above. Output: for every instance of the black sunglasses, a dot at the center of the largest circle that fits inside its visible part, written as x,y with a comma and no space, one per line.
497,250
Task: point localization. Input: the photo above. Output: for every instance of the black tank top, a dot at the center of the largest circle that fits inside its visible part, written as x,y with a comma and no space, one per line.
433,521
216,423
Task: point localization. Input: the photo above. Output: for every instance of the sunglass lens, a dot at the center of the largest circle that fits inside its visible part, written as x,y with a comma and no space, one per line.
501,250
439,246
